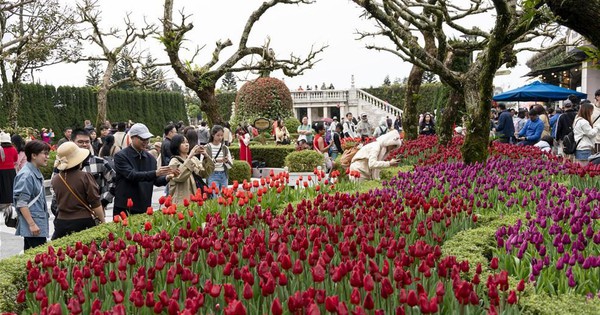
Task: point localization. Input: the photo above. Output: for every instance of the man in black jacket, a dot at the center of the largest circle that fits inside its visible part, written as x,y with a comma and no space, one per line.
564,125
505,129
137,173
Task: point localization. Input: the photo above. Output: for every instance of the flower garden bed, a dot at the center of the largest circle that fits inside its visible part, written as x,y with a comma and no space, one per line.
516,235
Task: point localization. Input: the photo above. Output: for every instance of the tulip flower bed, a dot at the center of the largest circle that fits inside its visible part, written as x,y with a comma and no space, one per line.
266,248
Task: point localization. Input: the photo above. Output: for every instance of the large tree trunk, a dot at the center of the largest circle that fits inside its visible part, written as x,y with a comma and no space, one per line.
478,99
582,16
102,97
13,105
410,121
210,106
452,114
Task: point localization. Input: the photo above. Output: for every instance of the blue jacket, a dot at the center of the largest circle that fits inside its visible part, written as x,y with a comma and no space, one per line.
136,178
553,124
28,185
532,131
505,125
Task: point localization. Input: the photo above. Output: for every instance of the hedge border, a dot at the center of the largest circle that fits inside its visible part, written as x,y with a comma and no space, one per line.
272,155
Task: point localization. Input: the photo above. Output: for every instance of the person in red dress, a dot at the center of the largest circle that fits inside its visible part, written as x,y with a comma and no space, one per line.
243,137
8,161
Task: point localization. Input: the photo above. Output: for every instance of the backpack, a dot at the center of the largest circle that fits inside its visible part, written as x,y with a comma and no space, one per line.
347,156
569,144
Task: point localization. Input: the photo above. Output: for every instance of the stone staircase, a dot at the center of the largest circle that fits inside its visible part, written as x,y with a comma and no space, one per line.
375,108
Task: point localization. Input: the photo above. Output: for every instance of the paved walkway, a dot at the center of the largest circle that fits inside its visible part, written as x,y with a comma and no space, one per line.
11,245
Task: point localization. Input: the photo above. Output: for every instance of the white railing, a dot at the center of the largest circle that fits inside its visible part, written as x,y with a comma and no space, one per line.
320,96
374,101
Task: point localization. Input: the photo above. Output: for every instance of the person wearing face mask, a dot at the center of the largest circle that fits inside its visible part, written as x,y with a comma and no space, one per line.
372,157
533,129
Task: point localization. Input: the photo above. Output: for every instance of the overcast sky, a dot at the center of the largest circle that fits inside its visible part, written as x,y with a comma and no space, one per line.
292,28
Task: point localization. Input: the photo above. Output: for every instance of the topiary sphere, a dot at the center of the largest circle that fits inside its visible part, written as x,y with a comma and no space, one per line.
264,97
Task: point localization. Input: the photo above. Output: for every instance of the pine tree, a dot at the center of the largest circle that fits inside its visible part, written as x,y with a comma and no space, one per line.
123,70
386,81
153,78
94,73
174,87
228,84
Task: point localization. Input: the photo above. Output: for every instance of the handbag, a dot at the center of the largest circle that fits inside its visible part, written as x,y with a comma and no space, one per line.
11,217
94,216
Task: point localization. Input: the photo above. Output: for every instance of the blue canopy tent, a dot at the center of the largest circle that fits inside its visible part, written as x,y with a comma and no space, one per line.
538,91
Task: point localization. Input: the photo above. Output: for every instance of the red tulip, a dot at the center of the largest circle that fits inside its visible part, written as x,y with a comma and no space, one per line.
215,290
440,289
494,263
521,286
332,303
149,211
129,203
386,288
355,296
186,203
368,283
21,297
173,307
313,309
276,308
74,307
161,200
235,307
248,293
118,296
297,269
318,273
283,279
147,226
412,299
512,297
369,303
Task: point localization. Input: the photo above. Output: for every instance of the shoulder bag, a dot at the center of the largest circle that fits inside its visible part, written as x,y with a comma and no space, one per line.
11,217
94,216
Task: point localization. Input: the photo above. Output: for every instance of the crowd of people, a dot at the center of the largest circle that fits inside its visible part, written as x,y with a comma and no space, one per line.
119,166
547,128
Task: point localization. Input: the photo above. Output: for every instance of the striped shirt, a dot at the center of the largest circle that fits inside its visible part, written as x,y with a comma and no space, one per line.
214,149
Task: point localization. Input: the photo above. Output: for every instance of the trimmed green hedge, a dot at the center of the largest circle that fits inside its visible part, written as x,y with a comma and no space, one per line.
272,155
38,107
240,171
538,304
304,161
431,96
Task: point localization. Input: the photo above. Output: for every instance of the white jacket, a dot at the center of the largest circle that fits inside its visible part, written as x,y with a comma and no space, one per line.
584,131
596,121
369,159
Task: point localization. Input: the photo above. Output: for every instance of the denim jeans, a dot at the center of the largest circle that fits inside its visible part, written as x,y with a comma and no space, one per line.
219,178
582,155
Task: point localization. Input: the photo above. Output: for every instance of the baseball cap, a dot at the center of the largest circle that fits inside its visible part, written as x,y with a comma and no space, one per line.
141,131
567,103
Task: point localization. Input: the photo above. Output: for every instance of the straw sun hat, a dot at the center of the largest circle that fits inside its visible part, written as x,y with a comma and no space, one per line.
69,155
